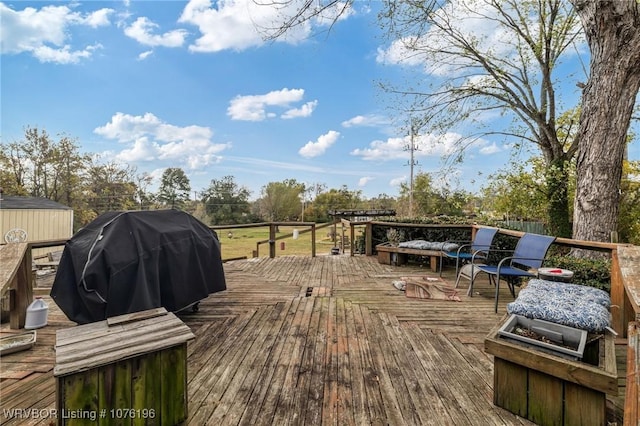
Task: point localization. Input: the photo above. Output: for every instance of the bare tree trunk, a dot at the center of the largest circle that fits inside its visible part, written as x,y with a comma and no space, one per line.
613,32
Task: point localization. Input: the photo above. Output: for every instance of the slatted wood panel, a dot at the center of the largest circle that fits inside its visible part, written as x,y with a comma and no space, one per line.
39,224
325,340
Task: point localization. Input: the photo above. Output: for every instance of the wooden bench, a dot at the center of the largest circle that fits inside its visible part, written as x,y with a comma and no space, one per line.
386,253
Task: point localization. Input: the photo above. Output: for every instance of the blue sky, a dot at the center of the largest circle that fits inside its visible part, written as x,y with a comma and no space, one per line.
158,84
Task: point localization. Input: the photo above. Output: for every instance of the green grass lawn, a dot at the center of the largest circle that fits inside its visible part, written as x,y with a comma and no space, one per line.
243,241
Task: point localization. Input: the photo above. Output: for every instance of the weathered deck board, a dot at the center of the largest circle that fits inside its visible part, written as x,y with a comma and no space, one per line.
352,351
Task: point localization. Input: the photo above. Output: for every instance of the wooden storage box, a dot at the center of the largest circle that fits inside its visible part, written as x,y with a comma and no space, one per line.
129,369
551,390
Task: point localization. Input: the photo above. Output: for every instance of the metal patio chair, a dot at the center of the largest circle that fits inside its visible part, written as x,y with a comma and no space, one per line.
527,257
479,248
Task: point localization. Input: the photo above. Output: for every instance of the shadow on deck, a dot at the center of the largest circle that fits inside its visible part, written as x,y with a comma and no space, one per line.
325,340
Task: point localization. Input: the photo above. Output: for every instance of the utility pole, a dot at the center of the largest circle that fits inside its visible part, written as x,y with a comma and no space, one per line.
412,148
411,163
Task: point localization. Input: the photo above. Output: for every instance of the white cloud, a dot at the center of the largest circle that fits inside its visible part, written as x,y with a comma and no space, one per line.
477,21
426,145
397,181
145,55
490,149
304,111
363,181
99,18
471,21
314,149
397,53
45,32
151,139
371,120
142,31
253,107
63,55
235,24
142,150
398,148
337,11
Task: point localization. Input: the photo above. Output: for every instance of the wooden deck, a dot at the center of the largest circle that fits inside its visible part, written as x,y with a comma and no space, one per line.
324,340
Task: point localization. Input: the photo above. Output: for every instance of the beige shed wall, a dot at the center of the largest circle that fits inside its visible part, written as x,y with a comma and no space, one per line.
40,224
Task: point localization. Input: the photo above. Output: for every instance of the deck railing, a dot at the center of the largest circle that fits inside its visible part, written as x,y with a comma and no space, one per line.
626,274
273,227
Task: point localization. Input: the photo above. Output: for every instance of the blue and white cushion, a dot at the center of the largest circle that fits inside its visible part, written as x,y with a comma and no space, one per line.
428,245
577,306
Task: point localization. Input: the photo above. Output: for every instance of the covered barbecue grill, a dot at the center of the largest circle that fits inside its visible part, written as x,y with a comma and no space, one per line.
125,262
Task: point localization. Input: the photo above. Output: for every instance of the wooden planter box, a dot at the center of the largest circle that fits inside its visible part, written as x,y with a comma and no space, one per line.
129,369
549,389
574,338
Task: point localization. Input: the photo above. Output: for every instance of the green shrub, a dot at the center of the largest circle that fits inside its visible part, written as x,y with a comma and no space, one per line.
589,272
379,232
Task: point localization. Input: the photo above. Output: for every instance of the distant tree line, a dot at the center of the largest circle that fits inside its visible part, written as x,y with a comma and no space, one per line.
40,166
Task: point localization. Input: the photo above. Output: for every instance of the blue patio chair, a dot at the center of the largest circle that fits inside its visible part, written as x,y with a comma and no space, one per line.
528,256
479,248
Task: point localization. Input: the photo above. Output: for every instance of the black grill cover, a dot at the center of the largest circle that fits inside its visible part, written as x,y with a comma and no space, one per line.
125,262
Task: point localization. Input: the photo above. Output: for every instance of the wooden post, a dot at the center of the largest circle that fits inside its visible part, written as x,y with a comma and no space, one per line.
352,235
368,239
334,233
313,240
632,397
24,292
272,240
474,230
617,297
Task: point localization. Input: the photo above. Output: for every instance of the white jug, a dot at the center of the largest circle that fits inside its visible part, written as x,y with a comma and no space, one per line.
37,313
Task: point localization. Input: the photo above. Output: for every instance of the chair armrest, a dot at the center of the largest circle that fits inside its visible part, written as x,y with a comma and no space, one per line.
516,259
473,258
462,247
484,248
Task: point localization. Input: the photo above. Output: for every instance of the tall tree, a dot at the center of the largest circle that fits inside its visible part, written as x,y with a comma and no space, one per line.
333,199
613,33
70,166
382,202
175,188
145,197
226,202
429,200
39,166
110,187
282,200
38,150
519,191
